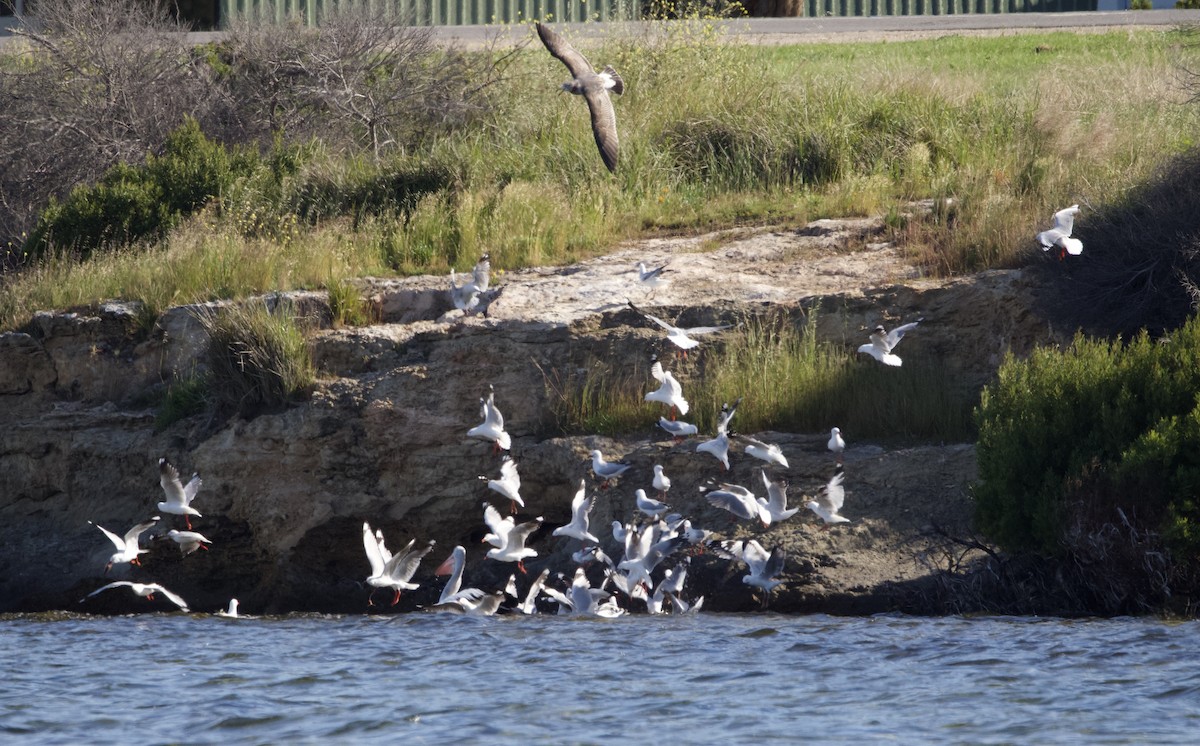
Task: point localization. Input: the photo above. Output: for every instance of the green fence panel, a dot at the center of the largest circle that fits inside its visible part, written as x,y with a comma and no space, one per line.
440,12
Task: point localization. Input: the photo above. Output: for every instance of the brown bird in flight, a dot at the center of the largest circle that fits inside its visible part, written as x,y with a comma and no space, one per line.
594,87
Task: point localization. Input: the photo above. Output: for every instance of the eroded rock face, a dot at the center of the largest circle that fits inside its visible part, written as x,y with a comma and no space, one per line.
383,438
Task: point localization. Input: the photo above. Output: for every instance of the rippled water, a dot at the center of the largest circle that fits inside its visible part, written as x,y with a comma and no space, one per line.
704,679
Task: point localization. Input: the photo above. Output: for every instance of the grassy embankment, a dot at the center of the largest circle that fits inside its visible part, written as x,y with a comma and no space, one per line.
713,134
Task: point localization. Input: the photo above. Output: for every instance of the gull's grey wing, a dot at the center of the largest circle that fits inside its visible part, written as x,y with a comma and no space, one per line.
774,565
173,598
562,49
404,564
103,588
895,335
604,125
735,504
117,541
1064,220
131,536
707,329
835,493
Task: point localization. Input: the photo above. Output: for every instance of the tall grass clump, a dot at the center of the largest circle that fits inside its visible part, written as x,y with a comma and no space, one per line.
1093,452
258,360
787,379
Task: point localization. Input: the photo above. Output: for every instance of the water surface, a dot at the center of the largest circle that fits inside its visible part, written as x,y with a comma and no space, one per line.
709,678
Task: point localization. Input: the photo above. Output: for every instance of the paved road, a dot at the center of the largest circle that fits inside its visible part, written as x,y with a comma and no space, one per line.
803,30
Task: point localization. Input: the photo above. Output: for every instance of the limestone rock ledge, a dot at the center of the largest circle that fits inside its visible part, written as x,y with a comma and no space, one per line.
383,438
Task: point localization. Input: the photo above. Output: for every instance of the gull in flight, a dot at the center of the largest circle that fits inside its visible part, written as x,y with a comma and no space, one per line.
727,412
492,427
127,546
661,482
828,504
594,87
583,600
718,447
769,452
649,505
652,279
642,556
391,571
145,590
775,503
607,470
466,296
836,444
669,391
179,497
741,502
679,336
508,537
677,428
1060,234
581,508
508,485
883,342
764,568
188,541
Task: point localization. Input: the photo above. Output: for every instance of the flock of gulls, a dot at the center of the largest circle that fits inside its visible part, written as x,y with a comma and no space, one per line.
654,546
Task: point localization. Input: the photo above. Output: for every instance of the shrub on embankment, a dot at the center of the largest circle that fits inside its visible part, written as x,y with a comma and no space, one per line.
1090,456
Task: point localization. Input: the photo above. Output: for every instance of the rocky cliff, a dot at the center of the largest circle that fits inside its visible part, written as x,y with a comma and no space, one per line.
383,436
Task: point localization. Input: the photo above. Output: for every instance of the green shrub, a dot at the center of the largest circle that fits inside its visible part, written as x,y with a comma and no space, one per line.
1099,434
184,398
135,203
258,360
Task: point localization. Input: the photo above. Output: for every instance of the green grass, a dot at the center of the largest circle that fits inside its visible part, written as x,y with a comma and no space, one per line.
713,135
787,380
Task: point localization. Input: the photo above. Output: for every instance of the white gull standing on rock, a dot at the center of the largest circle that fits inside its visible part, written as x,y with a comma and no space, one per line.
677,428
836,443
883,342
607,470
661,481
649,505
127,545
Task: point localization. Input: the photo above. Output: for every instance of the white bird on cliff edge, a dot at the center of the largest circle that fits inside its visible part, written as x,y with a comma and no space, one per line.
492,427
581,508
179,497
678,429
661,481
607,470
466,296
1060,234
127,546
828,503
649,505
836,443
883,342
145,590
